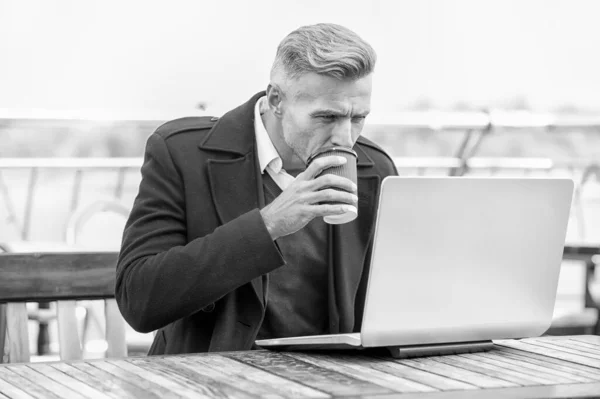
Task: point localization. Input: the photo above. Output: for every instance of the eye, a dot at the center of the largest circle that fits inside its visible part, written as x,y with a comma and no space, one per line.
329,117
358,119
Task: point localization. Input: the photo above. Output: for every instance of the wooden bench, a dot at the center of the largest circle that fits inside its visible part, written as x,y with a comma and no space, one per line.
64,278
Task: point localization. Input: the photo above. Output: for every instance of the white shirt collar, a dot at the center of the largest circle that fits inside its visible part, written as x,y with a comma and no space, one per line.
267,154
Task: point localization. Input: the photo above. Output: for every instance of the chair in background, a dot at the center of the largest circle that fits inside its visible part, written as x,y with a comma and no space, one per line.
61,277
98,226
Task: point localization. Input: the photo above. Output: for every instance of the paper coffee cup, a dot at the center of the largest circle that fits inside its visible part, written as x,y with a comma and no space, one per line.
348,170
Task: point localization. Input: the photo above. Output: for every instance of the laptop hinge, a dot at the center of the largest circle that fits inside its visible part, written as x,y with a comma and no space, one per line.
403,352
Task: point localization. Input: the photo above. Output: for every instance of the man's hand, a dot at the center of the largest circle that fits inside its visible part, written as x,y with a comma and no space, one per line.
298,204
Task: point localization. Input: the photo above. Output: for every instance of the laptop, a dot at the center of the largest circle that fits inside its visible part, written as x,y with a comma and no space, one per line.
456,263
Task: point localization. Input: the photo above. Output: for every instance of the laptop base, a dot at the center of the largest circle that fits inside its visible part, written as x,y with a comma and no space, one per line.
404,352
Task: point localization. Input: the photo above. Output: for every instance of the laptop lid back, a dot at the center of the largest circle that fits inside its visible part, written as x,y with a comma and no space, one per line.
460,259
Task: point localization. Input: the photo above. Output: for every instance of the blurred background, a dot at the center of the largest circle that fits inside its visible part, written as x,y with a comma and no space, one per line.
462,87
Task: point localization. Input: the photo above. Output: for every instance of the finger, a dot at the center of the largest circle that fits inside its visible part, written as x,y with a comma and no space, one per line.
332,195
334,181
329,209
320,164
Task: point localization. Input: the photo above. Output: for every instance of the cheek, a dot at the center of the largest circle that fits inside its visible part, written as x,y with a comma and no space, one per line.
295,134
292,128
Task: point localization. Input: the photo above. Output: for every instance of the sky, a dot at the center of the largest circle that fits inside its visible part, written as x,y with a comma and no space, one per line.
158,57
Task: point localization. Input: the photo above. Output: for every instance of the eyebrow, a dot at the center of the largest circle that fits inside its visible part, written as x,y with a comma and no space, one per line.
336,112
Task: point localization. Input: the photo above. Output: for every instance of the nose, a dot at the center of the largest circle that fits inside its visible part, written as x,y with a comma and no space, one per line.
342,134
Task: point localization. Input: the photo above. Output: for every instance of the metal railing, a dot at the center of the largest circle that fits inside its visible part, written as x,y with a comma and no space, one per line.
493,119
77,165
406,165
475,125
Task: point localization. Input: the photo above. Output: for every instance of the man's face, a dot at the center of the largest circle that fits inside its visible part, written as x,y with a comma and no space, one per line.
323,111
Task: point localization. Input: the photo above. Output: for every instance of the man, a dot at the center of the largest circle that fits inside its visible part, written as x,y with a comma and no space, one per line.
226,240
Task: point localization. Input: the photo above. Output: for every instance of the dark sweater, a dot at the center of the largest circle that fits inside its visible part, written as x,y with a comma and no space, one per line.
297,301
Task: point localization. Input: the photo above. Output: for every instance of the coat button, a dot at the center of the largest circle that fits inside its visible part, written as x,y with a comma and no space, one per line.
214,119
209,308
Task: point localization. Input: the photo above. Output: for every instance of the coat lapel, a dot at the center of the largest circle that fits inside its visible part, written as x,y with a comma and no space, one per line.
234,186
348,249
233,172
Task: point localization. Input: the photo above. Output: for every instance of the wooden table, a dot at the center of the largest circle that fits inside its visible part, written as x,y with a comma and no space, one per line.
530,368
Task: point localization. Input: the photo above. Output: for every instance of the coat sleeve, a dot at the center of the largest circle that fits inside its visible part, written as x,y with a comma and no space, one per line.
160,276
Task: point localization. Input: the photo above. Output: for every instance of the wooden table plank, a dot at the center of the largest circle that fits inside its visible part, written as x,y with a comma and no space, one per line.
531,392
577,346
584,371
533,375
555,345
13,391
68,381
23,383
585,341
544,368
107,386
590,339
134,379
458,374
355,370
527,347
44,381
250,389
182,390
247,377
130,386
582,344
502,374
401,370
205,386
593,348
319,378
541,377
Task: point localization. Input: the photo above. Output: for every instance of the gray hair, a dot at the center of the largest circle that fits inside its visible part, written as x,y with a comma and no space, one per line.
326,49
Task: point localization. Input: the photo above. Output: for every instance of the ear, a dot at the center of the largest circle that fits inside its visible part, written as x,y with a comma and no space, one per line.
275,99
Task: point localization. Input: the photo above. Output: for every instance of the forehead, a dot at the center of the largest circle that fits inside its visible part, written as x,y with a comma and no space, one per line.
320,91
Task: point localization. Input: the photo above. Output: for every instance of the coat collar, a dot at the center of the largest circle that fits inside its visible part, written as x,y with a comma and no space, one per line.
234,133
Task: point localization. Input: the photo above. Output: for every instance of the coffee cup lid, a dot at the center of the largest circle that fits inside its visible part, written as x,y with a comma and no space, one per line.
329,149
